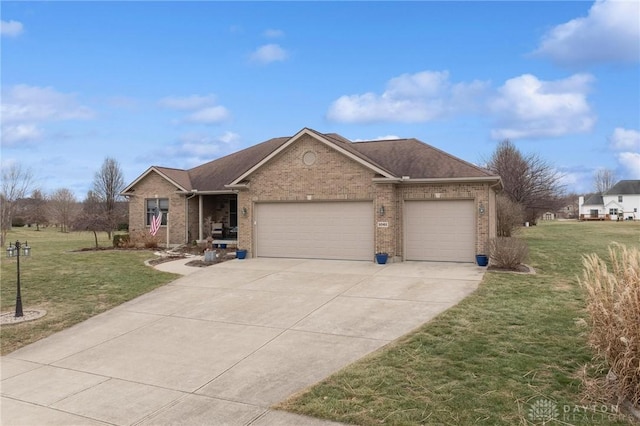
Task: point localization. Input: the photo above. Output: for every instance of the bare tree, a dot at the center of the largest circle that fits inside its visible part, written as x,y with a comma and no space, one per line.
528,180
16,183
107,185
93,217
62,205
603,180
34,209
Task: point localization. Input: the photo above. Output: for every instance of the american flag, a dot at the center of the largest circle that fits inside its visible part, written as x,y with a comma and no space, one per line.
156,221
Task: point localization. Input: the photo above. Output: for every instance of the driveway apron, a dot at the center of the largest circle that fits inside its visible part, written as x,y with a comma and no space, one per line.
224,343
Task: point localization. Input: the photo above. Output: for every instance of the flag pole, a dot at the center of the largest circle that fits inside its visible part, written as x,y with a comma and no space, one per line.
167,230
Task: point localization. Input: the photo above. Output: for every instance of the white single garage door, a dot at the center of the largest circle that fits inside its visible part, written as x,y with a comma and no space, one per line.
322,230
440,230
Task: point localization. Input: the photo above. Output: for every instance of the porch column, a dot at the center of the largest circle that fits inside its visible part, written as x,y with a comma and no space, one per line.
200,208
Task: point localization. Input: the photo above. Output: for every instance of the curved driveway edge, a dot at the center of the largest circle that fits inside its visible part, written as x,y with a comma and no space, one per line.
223,344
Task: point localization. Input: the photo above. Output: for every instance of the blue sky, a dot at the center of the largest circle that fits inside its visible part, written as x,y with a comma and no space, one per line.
177,84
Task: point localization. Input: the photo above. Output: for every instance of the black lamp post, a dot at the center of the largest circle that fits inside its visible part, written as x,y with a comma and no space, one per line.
14,251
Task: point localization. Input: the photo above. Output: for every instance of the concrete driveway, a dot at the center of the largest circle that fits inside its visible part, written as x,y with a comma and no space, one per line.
223,344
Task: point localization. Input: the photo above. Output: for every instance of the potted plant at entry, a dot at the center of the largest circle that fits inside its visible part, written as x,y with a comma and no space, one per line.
381,258
482,259
241,254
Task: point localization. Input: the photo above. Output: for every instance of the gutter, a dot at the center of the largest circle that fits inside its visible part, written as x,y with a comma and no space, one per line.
408,180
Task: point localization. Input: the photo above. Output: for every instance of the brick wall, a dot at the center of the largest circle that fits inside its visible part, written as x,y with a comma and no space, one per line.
149,187
331,177
479,192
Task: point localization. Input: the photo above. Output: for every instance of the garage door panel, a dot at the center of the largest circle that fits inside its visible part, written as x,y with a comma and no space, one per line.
322,230
440,230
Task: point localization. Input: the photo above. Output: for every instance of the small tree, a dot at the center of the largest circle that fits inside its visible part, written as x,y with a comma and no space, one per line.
527,179
107,185
62,208
35,209
510,216
92,217
16,184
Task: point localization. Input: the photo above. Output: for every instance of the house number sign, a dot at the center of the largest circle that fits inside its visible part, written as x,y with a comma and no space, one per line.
383,224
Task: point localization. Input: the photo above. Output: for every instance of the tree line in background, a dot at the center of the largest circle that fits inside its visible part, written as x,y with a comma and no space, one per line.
103,209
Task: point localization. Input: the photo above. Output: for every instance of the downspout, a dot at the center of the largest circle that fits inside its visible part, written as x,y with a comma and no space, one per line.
200,211
186,222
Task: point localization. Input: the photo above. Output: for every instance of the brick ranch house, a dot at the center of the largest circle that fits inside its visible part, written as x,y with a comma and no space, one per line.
317,195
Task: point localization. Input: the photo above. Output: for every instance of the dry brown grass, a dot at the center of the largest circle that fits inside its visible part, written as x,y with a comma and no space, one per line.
613,304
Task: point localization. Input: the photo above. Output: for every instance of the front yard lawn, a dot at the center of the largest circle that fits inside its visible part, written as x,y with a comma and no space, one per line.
70,285
512,349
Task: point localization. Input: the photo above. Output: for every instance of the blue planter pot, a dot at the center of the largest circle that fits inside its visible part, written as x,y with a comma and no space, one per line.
482,260
241,254
381,258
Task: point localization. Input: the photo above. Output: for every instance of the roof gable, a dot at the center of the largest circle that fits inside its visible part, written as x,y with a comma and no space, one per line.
177,177
336,143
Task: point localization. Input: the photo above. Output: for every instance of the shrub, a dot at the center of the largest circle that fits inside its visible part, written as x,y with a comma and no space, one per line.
510,216
121,240
507,252
142,239
17,222
123,226
613,305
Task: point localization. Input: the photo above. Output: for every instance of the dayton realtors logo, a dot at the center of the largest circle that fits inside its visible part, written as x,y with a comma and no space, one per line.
543,410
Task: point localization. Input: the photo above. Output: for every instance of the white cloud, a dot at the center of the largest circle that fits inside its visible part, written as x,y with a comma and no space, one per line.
631,162
25,108
209,115
19,133
626,145
625,140
204,108
526,107
31,103
410,98
196,148
610,33
269,53
11,28
273,33
187,102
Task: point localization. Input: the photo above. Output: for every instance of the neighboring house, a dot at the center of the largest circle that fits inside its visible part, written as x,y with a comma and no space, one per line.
567,211
317,195
621,202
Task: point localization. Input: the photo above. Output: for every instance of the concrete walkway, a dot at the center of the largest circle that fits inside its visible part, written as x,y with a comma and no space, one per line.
224,343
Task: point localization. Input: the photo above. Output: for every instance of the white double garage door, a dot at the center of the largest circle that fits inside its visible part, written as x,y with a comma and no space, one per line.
433,230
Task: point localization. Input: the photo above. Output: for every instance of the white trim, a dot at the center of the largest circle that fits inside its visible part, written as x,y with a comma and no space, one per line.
308,132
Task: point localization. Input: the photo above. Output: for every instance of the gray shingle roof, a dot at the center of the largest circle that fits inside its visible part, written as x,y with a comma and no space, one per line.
416,159
399,157
625,187
594,200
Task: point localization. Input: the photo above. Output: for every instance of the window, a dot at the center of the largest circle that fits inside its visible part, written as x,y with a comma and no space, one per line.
163,203
613,212
593,212
619,198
